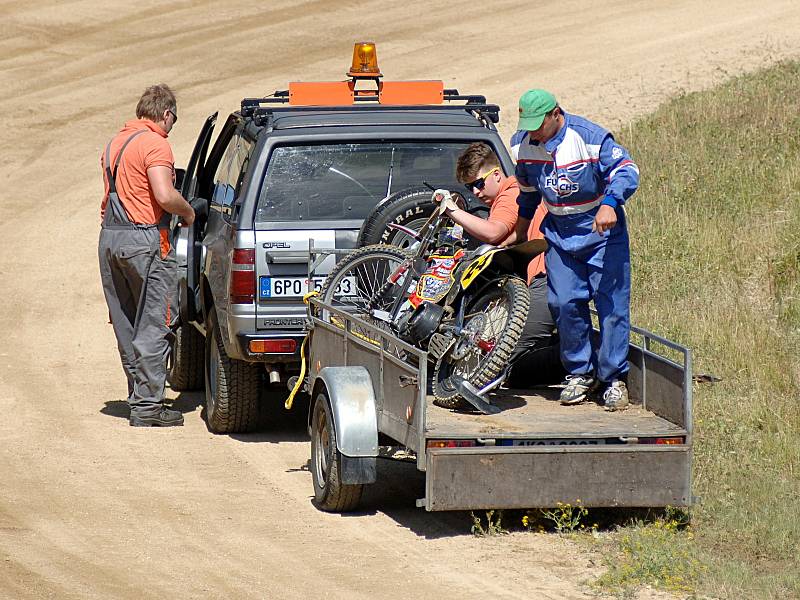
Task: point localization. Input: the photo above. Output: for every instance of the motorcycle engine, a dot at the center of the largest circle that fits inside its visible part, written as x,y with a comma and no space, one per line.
418,325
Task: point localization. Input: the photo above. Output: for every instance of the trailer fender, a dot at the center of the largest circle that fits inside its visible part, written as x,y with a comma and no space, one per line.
355,417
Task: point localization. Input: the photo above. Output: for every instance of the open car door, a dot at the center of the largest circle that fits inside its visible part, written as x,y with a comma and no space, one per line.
188,239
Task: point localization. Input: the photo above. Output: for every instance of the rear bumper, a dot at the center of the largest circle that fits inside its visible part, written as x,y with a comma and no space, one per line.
243,344
486,478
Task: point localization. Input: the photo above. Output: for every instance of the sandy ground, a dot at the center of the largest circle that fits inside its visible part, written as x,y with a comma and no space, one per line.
91,508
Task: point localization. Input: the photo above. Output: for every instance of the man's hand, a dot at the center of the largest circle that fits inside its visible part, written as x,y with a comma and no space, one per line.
445,200
605,219
160,178
189,218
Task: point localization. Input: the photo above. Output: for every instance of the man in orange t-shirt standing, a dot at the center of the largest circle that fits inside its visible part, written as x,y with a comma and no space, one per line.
536,356
137,262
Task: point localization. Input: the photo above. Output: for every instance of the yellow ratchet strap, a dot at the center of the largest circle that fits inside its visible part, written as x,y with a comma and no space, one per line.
298,386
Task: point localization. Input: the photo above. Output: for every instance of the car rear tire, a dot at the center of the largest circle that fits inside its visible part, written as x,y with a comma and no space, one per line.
330,494
410,208
185,371
231,387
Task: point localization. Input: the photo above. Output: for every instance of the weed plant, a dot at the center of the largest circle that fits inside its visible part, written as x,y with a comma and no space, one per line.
715,241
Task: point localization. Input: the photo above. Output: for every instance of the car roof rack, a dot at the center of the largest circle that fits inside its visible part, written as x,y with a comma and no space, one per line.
261,109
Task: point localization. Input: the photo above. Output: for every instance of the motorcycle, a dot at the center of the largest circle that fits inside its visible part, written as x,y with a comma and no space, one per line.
465,307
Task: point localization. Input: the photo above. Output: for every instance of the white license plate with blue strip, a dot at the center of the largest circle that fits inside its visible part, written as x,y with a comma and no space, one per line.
573,442
297,287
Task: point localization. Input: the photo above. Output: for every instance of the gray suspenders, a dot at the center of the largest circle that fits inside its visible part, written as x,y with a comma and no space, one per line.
115,216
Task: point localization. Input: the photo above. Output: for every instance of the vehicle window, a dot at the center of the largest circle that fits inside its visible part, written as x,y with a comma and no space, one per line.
223,191
231,170
345,181
240,164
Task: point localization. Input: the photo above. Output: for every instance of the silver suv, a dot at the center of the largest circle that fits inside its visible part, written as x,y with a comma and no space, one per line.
278,178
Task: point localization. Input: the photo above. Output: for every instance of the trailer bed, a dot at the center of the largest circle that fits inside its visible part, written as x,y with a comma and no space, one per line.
537,414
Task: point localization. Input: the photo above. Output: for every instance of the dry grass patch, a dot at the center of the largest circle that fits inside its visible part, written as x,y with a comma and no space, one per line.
715,234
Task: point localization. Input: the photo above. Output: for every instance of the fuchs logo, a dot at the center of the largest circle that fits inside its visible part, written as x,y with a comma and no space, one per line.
561,184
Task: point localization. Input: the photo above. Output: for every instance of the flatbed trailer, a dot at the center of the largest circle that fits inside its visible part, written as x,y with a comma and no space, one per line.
369,388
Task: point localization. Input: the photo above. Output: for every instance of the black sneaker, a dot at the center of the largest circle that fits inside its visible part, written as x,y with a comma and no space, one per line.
163,418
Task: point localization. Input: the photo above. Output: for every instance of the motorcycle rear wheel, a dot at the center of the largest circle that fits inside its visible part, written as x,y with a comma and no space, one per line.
355,283
497,318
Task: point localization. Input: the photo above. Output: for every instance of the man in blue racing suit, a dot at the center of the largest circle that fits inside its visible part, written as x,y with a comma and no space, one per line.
584,178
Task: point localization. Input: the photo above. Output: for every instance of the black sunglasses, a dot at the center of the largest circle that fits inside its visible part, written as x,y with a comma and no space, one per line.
480,182
174,115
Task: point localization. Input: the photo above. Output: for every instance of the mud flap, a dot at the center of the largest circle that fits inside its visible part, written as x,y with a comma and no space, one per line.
358,469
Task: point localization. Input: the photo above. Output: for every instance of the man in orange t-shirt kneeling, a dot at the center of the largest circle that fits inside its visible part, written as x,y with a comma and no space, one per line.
536,357
137,263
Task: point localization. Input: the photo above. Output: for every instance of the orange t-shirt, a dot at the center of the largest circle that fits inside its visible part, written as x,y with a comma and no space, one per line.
147,150
503,208
536,266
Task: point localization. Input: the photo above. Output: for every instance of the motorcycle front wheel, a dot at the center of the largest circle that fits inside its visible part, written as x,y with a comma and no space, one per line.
358,283
492,327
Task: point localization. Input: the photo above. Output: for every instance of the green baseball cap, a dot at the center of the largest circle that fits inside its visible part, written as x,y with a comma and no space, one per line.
533,106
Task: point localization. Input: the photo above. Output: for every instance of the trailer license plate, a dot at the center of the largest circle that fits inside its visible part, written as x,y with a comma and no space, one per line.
296,287
588,442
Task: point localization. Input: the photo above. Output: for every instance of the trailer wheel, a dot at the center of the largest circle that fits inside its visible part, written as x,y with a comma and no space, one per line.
330,494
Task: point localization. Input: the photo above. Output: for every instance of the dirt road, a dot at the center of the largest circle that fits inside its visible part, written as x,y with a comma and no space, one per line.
91,508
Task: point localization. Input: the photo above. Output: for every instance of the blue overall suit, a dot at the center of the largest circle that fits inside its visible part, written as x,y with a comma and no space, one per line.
574,172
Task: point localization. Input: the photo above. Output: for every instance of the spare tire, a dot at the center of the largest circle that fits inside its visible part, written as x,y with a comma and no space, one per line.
410,207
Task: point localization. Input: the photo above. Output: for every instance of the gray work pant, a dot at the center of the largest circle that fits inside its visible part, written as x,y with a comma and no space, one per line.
139,286
536,359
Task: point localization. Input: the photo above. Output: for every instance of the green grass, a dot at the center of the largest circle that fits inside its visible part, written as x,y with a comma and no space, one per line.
715,241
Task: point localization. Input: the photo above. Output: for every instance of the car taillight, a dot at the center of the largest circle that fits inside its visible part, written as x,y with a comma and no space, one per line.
273,346
243,276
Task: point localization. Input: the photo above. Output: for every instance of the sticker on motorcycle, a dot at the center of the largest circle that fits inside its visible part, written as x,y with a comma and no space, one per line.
437,280
475,268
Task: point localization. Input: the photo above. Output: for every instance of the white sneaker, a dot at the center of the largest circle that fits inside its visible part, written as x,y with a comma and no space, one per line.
577,388
616,396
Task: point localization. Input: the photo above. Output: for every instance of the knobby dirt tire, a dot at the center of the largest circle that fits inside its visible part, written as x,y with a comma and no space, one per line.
330,494
231,387
186,368
379,259
493,363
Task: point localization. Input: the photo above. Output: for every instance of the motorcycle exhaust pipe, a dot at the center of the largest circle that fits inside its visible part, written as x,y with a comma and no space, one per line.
274,375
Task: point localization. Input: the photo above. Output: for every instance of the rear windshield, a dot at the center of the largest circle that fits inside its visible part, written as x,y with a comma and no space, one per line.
345,181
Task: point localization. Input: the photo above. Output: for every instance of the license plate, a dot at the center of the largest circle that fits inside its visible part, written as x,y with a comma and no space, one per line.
589,442
297,287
